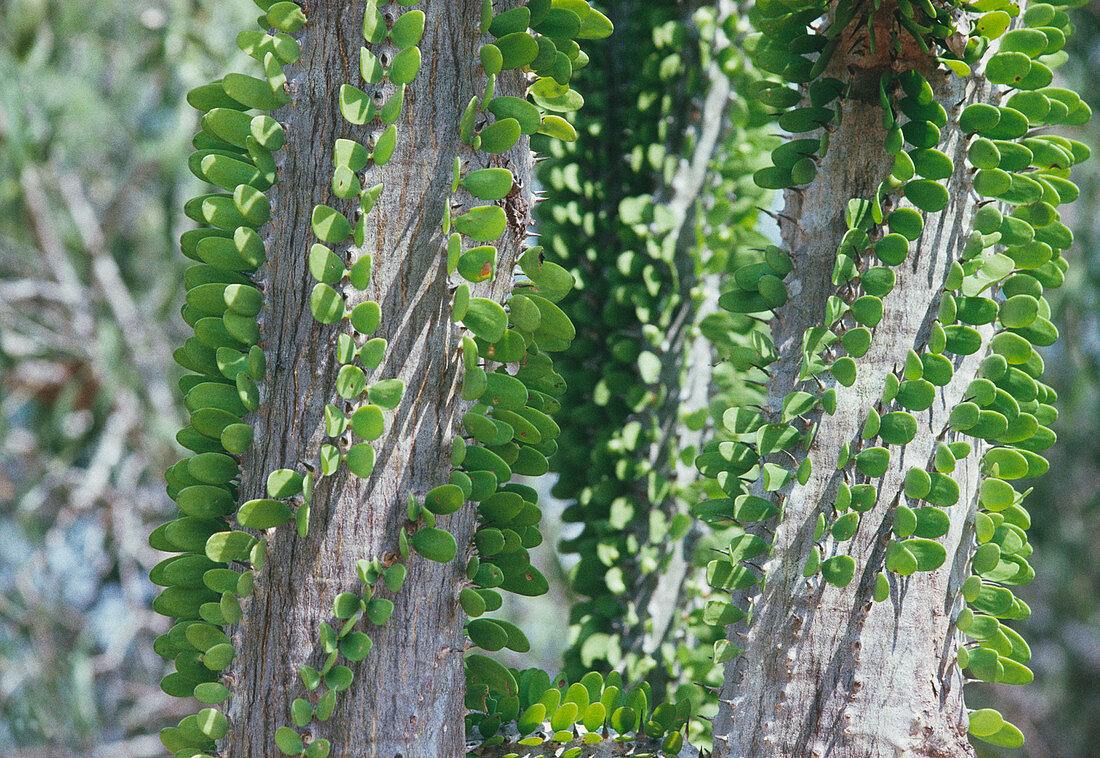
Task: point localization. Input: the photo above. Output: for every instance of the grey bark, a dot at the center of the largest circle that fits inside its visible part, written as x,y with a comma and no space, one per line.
406,699
827,672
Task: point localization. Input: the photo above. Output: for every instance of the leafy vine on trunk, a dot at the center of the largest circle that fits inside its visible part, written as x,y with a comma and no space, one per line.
348,517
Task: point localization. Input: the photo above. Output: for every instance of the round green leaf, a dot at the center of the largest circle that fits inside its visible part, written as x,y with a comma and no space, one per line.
867,310
844,371
897,428
408,29
489,183
928,195
286,17
892,249
906,222
838,570
329,225
405,66
367,422
360,459
386,393
444,499
873,461
435,544
500,137
263,514
483,223
366,317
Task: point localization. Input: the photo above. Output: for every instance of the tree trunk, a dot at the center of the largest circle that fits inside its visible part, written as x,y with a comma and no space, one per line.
406,699
826,671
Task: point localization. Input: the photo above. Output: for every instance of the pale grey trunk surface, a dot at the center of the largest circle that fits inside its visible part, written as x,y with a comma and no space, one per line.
406,700
828,672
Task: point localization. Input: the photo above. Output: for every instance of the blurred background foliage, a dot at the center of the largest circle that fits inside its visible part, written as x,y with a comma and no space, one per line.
94,135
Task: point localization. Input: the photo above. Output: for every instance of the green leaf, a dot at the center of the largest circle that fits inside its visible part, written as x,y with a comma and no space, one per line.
478,264
288,741
531,719
472,603
857,341
444,499
329,224
931,523
435,544
916,394
339,678
929,555
489,183
301,712
505,391
1007,736
892,249
229,125
558,128
366,317
844,371
928,195
525,114
1013,347
486,634
491,59
500,137
350,382
284,483
367,422
211,693
385,144
263,514
253,92
355,646
394,577
897,428
386,393
405,66
486,319
483,223
900,560
873,461
595,25
286,17
212,468
552,96
486,671
360,459
408,29
844,528
867,310
517,49
379,610
838,570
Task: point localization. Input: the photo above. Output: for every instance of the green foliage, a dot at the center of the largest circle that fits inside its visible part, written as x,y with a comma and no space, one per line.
639,267
92,158
645,321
